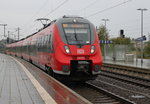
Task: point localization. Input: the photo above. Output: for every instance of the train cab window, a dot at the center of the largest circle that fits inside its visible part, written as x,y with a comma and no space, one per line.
77,33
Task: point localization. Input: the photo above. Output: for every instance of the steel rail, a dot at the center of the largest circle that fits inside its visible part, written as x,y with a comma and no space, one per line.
110,94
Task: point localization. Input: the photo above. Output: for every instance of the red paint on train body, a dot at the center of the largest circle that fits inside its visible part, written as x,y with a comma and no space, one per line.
68,47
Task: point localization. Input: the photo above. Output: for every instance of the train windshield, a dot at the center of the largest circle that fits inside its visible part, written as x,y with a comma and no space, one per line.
77,33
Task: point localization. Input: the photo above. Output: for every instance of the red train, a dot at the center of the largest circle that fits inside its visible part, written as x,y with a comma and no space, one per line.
67,47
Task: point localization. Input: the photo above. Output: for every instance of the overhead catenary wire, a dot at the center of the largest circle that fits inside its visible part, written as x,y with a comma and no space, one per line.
37,12
64,2
88,6
49,12
109,8
91,4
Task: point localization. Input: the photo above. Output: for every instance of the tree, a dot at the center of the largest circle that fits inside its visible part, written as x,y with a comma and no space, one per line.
147,49
103,33
120,40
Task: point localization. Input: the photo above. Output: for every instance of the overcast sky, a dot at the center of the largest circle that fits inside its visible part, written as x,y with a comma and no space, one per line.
122,14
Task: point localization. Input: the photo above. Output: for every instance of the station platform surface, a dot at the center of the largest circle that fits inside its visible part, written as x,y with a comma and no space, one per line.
135,63
19,86
15,86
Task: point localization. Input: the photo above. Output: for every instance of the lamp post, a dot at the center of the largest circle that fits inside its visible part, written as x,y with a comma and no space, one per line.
4,27
142,10
105,20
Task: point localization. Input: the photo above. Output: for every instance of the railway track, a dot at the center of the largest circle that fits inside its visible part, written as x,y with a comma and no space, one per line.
143,85
97,95
127,79
131,92
138,73
129,82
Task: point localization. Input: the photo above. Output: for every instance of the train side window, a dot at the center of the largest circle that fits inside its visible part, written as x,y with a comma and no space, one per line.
45,40
49,40
42,41
51,44
46,44
39,42
43,44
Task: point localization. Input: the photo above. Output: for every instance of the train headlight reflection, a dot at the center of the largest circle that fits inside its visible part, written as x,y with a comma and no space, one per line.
67,49
92,49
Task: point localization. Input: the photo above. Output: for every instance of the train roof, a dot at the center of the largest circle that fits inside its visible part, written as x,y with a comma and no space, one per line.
74,19
63,19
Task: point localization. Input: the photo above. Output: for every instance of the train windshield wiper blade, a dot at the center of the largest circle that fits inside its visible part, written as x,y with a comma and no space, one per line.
79,43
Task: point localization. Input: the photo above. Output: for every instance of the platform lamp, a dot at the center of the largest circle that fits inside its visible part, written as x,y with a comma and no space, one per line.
105,20
142,10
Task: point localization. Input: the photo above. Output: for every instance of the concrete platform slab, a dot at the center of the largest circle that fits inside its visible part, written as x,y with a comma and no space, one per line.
15,86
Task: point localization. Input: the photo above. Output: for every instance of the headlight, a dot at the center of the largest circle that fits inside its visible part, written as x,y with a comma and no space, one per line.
92,49
67,49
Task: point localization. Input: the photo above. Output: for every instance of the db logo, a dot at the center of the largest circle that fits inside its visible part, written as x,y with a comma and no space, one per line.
80,51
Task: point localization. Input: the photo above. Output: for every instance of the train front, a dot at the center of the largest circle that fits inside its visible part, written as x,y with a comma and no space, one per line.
77,51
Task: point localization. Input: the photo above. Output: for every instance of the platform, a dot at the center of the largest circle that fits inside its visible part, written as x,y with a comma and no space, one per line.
19,86
136,63
15,86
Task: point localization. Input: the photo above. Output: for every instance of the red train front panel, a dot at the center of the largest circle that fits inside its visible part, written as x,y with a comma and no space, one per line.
76,48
